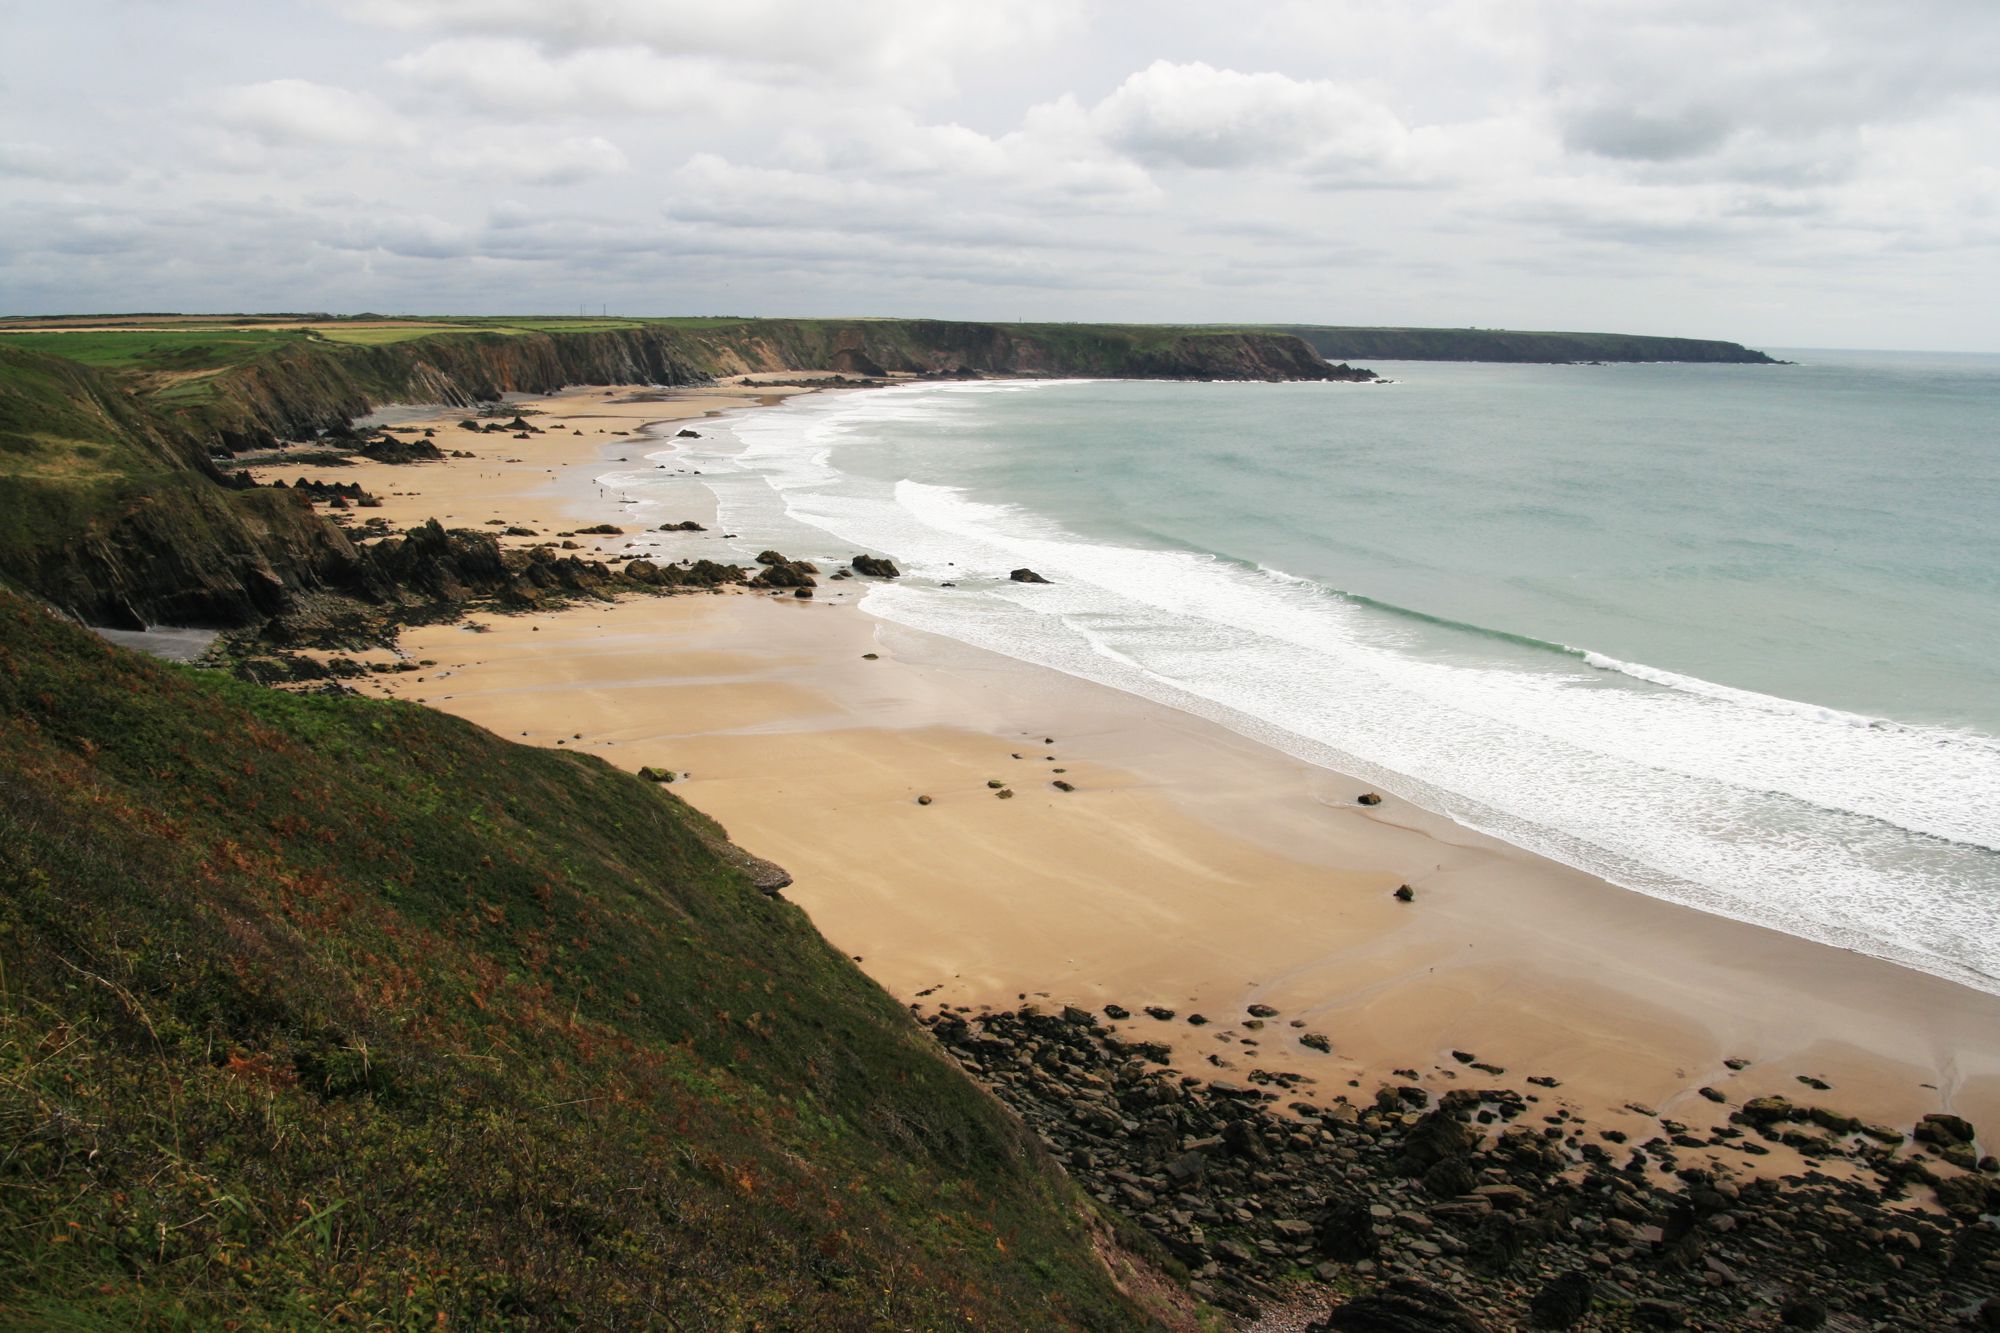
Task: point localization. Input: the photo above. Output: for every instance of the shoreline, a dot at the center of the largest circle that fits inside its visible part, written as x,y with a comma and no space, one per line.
1193,868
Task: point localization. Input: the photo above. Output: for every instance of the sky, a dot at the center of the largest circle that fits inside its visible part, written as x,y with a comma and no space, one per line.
1790,173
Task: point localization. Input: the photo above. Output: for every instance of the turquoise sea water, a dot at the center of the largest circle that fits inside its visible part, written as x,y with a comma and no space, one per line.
1729,635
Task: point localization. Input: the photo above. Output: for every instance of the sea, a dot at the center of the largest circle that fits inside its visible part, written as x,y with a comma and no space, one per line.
1728,635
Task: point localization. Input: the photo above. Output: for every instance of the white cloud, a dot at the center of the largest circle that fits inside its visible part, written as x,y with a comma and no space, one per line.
569,162
295,111
1195,115
913,47
38,161
510,75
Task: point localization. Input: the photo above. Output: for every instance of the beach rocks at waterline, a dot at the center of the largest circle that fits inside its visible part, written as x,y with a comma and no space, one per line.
1026,576
1479,1208
780,572
1368,798
875,567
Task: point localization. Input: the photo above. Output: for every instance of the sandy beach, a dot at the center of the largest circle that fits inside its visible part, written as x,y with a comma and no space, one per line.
1189,869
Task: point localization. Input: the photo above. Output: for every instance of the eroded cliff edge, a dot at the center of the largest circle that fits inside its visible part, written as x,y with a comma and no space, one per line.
115,504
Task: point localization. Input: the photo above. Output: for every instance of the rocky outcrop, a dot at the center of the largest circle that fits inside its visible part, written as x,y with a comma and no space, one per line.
1482,1208
875,567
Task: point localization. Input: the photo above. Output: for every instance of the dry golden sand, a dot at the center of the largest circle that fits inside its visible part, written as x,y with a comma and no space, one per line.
1191,868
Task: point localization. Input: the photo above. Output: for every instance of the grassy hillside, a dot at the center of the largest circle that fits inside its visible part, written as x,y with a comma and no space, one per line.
327,1010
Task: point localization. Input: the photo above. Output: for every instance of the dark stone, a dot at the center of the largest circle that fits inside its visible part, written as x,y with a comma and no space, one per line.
1347,1231
1400,1306
1368,798
1449,1178
1439,1135
1026,576
1405,894
1499,1245
685,434
875,567
1939,1128
1803,1312
1562,1303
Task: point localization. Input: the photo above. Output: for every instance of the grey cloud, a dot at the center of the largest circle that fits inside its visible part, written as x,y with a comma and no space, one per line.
1644,135
1581,158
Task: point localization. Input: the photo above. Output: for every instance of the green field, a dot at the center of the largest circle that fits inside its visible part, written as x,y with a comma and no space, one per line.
197,349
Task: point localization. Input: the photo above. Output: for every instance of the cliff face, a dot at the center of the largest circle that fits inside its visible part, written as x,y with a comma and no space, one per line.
320,385
114,510
115,513
1515,345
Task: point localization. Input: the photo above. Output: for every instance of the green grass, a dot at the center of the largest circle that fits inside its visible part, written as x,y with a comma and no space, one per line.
156,350
379,337
327,1010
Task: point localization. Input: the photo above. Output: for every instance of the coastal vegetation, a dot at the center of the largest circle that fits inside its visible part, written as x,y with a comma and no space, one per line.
323,1009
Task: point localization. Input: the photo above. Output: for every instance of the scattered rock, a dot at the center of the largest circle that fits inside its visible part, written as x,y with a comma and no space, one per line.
1026,576
1405,894
652,774
1368,798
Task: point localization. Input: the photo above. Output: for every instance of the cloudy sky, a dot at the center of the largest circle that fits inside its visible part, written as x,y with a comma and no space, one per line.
1787,173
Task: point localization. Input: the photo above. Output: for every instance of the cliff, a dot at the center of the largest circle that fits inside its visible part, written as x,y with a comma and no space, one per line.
1381,344
316,385
112,508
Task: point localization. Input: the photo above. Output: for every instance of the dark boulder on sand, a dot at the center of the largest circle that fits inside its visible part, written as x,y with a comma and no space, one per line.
1368,798
1026,576
875,567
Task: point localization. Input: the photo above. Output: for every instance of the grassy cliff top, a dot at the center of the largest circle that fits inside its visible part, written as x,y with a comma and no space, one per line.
321,1009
